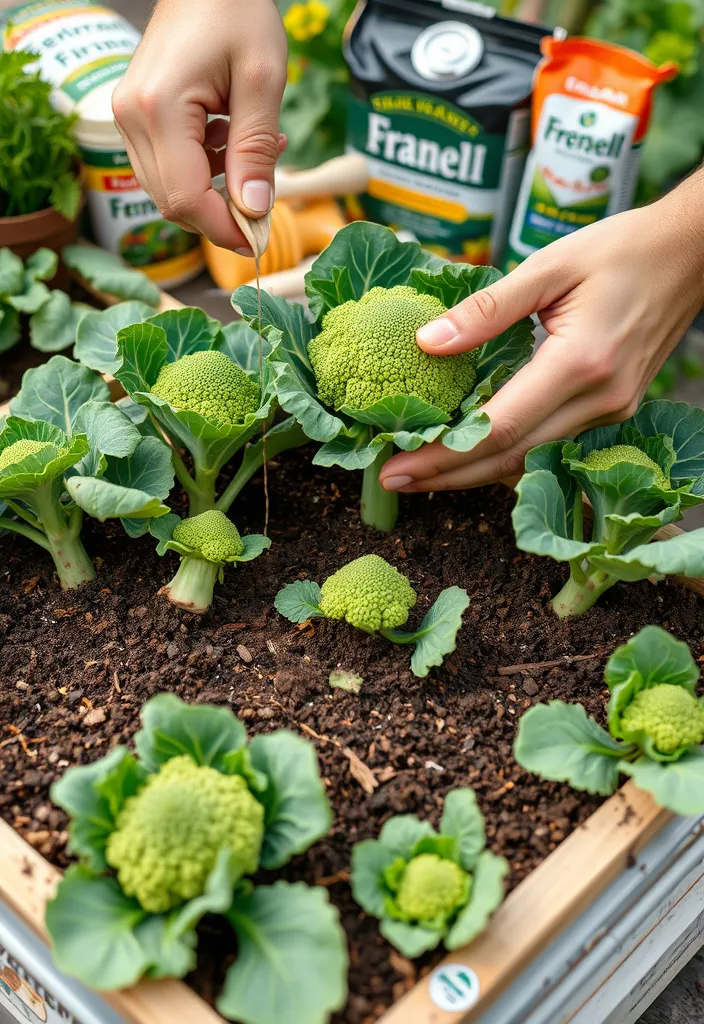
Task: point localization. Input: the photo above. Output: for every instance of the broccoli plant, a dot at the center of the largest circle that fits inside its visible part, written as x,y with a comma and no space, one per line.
175,833
200,386
66,449
355,378
638,477
206,543
373,596
428,887
656,728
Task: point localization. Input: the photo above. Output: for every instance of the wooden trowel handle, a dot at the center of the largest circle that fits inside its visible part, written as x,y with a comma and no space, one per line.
337,177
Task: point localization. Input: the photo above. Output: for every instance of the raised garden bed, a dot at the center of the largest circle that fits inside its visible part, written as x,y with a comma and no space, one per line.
76,669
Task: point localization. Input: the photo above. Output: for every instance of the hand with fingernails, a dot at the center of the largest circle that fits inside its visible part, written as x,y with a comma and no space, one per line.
615,298
200,58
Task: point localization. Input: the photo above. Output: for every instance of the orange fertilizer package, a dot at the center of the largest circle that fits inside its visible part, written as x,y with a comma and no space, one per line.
591,108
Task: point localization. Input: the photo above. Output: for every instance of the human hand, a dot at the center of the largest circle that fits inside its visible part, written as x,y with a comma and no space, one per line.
195,59
615,297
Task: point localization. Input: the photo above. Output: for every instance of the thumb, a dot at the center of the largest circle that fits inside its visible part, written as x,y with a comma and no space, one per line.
481,316
254,143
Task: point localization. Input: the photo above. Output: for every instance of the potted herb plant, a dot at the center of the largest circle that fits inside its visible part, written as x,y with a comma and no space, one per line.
40,191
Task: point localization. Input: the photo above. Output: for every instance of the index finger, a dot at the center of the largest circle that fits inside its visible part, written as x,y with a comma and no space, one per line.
185,175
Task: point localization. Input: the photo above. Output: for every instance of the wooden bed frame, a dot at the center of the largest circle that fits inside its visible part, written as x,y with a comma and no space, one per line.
532,916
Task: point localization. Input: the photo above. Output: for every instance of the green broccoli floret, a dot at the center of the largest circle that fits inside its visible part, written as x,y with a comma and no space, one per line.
670,715
605,458
169,835
20,450
369,594
211,536
367,351
430,890
211,384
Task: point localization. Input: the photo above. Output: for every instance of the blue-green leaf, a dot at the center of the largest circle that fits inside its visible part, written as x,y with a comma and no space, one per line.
171,727
299,601
297,810
291,957
677,785
560,742
187,330
486,895
542,520
56,390
96,334
54,325
110,274
462,819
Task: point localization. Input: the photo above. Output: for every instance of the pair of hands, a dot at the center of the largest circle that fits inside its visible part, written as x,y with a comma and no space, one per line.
615,297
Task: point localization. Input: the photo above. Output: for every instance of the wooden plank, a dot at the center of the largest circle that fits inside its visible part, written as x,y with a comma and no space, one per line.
535,913
27,881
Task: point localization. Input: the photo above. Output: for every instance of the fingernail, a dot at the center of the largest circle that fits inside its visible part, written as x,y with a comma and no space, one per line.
258,196
438,332
245,252
393,483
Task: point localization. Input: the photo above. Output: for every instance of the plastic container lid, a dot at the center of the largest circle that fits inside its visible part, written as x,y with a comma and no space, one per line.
96,126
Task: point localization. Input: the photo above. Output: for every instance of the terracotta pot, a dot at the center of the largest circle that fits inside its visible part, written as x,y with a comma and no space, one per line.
31,231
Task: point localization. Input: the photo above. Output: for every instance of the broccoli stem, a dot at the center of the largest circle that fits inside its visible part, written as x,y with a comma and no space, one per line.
192,586
201,496
61,530
579,595
379,508
280,438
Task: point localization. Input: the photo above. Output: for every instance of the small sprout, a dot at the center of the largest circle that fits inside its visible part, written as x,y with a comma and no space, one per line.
206,543
656,728
429,887
373,596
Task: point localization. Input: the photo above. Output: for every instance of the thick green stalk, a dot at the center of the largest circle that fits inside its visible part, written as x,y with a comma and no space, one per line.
578,596
192,586
73,565
201,497
379,508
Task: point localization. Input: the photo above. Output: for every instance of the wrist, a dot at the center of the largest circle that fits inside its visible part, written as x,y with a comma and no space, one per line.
681,228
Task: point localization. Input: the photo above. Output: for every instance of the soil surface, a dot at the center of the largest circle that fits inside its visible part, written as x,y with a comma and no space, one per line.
76,668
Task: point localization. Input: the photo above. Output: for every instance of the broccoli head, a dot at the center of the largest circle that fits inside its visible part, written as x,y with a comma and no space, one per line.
367,351
211,536
669,715
428,890
20,450
605,458
369,594
211,384
169,835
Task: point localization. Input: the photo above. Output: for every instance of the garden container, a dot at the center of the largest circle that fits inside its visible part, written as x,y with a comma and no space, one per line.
42,229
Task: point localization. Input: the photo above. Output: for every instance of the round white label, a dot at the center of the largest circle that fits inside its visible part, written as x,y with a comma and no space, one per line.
454,987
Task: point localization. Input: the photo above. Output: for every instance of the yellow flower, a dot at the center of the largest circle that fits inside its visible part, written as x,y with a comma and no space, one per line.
304,21
294,72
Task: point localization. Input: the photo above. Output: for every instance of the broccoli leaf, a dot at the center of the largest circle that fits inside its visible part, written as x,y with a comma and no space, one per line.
54,325
682,555
170,727
360,257
411,940
56,390
544,522
684,424
560,742
402,833
96,334
370,859
462,819
297,810
109,432
677,785
657,657
437,633
9,327
187,330
22,479
94,930
291,960
109,273
93,796
299,601
11,273
486,895
242,344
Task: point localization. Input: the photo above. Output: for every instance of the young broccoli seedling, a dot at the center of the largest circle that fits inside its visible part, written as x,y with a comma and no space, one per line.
428,887
638,476
373,596
206,543
656,728
66,450
202,387
175,833
356,380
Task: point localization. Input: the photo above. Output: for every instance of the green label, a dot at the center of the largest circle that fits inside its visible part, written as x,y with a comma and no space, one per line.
545,219
434,171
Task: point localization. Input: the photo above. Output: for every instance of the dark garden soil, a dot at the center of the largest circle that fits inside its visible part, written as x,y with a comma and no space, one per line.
76,668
